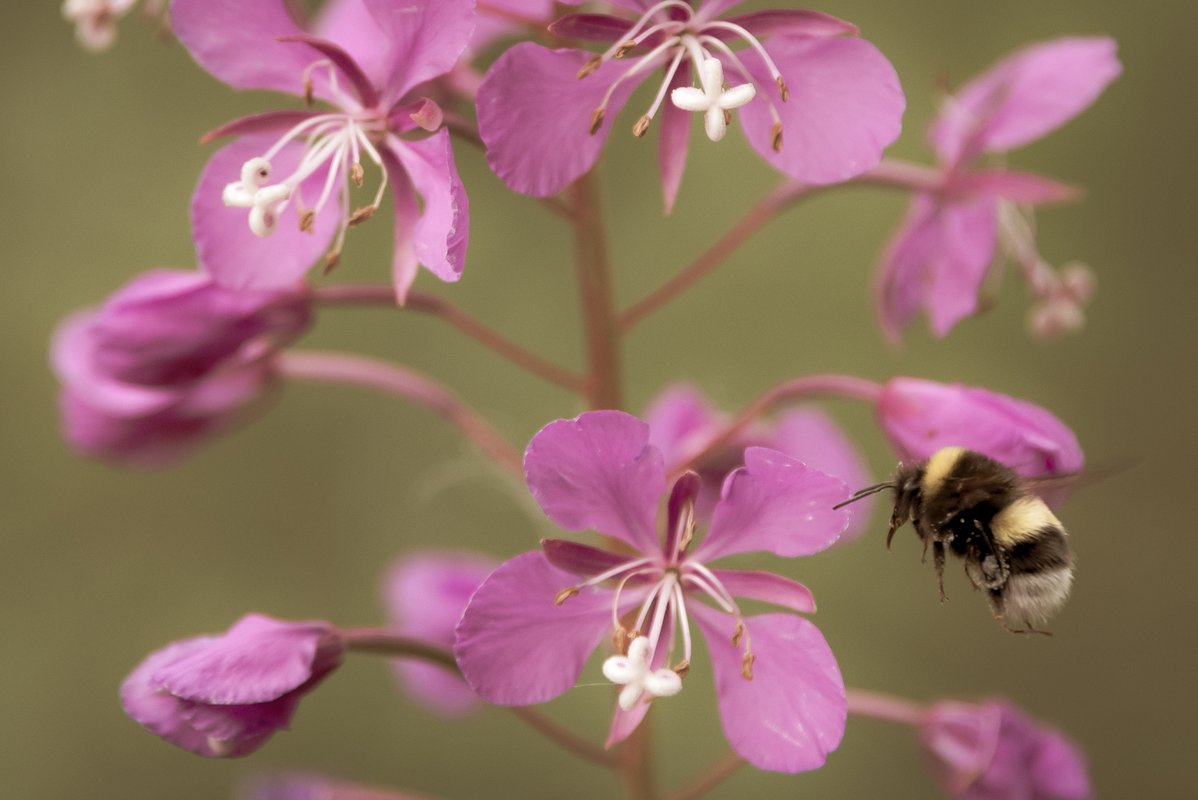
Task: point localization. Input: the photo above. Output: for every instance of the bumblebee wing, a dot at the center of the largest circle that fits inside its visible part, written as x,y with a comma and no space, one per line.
1059,484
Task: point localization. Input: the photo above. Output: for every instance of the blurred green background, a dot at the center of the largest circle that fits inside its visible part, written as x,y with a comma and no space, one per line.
300,513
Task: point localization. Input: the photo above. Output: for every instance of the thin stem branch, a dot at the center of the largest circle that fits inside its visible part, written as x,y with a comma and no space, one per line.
885,707
716,774
847,386
439,307
598,307
890,173
382,642
407,384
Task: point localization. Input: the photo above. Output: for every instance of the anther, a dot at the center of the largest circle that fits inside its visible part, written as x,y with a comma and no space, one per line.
309,98
727,117
746,666
737,633
331,260
776,137
624,49
782,90
592,64
307,221
596,120
361,215
357,174
642,125
682,668
564,595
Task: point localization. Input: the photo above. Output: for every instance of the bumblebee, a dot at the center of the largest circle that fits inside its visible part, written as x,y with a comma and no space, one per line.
1012,545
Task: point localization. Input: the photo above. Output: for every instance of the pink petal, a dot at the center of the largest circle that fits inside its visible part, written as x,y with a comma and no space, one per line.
404,264
229,251
792,713
440,235
515,646
1018,187
1025,96
535,116
672,142
937,262
580,560
598,472
235,40
769,588
792,21
276,122
812,436
425,39
676,418
355,78
590,27
776,504
425,594
351,25
257,660
920,417
845,107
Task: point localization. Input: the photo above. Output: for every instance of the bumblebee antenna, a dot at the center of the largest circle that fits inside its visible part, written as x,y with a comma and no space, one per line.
861,494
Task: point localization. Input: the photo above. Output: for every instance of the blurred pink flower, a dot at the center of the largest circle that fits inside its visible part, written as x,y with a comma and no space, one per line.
224,696
169,359
425,594
938,259
920,417
817,105
292,174
992,751
681,418
531,626
297,786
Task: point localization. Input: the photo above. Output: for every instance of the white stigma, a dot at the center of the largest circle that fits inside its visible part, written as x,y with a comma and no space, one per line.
713,100
634,672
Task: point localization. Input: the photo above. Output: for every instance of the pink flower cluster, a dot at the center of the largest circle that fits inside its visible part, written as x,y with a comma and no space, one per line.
384,87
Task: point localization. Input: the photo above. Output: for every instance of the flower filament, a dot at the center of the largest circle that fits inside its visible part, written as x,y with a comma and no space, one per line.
334,143
676,32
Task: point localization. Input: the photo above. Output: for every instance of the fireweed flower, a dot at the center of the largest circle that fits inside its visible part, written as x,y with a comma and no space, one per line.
529,628
681,419
992,751
169,359
818,105
95,20
224,696
425,595
939,258
270,203
920,417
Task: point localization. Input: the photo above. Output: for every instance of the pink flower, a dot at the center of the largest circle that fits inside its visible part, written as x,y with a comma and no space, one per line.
920,417
271,202
938,259
681,419
993,752
425,595
169,359
817,105
530,627
224,696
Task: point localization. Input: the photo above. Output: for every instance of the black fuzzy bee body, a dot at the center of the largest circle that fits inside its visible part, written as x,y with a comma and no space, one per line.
1012,546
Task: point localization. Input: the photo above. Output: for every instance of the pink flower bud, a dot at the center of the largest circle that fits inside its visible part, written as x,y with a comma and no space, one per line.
224,696
169,359
920,417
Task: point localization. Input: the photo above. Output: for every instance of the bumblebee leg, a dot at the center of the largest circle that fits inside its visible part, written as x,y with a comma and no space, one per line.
938,561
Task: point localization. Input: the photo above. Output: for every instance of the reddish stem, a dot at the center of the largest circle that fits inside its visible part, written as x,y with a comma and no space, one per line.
846,386
598,307
439,307
407,384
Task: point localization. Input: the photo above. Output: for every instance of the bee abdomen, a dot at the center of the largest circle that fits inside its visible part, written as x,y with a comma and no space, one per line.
1041,575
